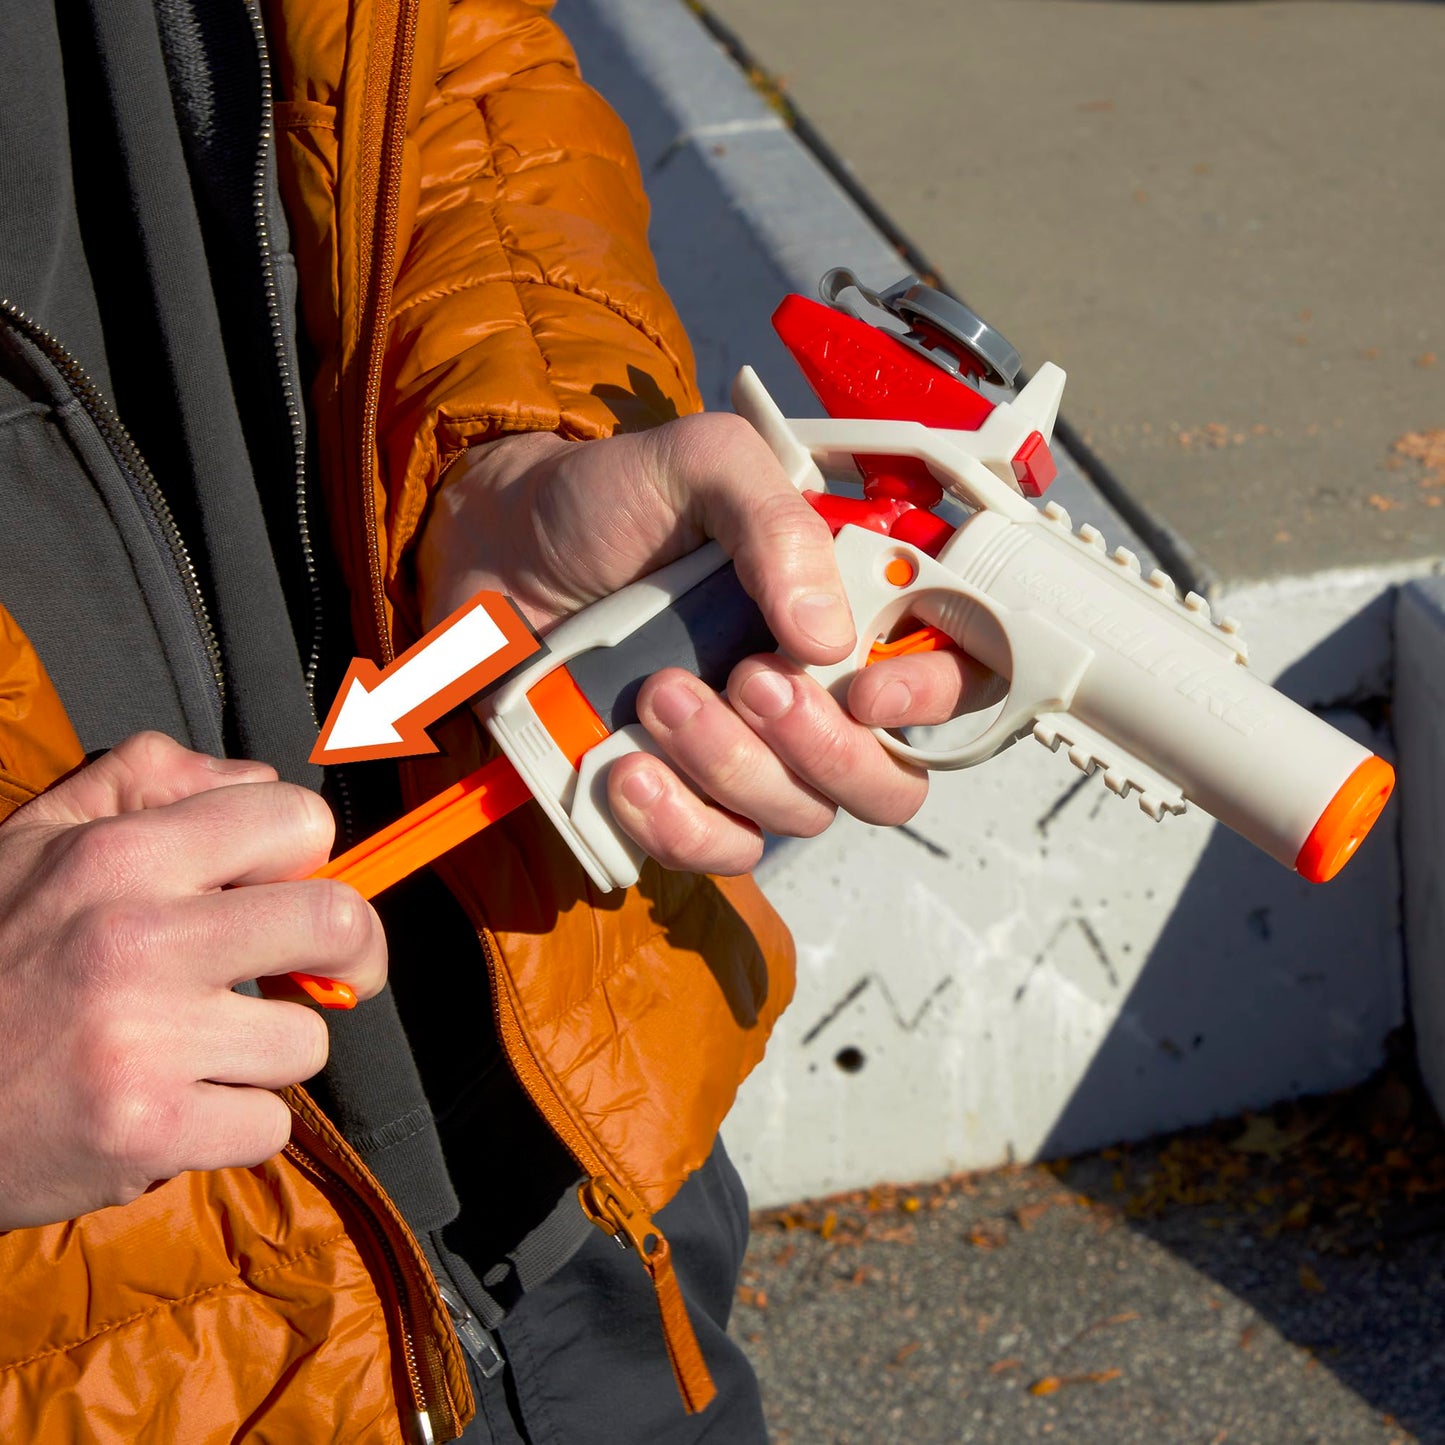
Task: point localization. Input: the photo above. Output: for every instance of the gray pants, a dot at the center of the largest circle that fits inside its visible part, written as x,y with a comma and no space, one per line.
586,1363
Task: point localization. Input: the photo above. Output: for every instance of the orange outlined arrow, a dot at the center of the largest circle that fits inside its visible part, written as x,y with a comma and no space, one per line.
385,713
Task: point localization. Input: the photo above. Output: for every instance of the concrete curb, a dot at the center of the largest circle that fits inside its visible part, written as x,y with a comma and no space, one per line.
1021,972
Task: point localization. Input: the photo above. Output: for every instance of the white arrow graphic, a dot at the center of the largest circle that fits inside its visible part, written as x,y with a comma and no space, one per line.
383,714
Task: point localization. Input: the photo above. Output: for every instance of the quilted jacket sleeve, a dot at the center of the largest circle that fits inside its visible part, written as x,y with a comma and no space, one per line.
527,298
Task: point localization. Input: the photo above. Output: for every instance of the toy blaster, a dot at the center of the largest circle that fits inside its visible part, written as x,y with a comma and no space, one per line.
1093,656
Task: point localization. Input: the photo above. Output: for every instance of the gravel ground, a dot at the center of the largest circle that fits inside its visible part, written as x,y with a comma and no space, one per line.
1273,1280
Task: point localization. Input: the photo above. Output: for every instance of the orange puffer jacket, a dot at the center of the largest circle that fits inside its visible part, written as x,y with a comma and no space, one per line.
470,227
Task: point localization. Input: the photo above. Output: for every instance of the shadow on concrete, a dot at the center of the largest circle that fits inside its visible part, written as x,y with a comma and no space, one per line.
1251,949
1327,1217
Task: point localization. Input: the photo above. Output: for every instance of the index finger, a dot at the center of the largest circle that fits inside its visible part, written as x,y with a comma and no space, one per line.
737,491
247,833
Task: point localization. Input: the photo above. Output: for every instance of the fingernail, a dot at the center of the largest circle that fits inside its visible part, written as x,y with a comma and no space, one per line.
233,765
892,701
825,618
767,694
674,704
641,787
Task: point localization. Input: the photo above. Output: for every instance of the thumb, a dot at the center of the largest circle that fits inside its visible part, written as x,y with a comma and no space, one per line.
147,770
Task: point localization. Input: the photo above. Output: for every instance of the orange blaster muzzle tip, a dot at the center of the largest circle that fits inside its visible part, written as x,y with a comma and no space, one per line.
1345,822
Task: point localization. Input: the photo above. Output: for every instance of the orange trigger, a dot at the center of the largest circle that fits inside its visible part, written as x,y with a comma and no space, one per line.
926,639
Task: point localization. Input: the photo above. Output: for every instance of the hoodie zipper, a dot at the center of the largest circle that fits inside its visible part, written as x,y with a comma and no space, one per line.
139,475
260,205
295,421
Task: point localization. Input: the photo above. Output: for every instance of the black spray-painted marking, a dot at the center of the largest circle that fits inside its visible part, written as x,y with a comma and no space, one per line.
1095,943
906,1024
1061,803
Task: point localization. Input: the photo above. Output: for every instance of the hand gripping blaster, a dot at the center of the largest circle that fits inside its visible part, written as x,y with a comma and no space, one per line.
1096,658
1099,659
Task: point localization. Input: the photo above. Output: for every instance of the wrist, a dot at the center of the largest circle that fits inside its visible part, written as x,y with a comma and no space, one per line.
471,529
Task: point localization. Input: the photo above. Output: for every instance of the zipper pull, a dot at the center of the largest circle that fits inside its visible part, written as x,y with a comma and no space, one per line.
615,1213
477,1341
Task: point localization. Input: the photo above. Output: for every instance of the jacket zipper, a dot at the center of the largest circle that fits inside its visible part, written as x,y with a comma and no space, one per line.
612,1208
606,1203
383,265
143,482
407,1306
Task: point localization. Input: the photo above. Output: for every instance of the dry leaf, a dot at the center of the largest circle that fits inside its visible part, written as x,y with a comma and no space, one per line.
1002,1367
988,1234
1310,1280
1051,1384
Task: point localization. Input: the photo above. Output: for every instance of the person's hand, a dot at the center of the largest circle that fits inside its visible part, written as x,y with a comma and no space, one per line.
125,1057
560,524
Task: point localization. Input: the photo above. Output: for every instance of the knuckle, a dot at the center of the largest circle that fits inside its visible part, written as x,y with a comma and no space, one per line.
710,434
107,852
896,805
343,919
302,814
113,941
728,772
133,1127
149,750
258,1132
126,1187
818,821
272,1129
313,1046
827,752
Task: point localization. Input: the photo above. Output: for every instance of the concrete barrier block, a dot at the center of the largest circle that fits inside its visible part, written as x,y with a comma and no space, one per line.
1419,717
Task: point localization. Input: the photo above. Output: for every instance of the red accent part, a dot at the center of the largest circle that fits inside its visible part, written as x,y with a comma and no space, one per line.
858,370
905,478
876,516
1034,465
922,530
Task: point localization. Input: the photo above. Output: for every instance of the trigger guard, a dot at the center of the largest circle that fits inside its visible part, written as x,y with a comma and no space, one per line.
1045,663
1031,692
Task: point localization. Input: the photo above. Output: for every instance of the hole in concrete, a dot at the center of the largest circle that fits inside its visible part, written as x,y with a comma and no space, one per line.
850,1060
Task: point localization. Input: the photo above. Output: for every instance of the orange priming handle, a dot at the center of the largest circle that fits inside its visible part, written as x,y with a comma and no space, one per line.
413,841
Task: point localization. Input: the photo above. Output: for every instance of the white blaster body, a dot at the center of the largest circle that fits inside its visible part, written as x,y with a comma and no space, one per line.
1114,666
1132,679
